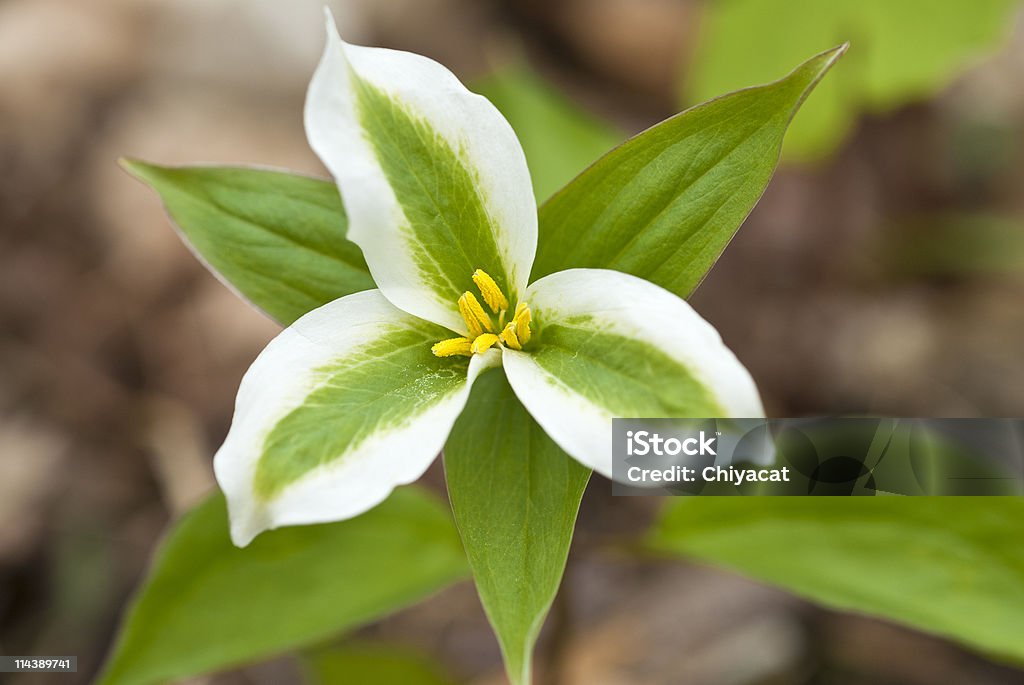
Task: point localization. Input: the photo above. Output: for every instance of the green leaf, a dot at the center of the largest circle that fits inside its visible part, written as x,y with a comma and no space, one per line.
902,51
515,495
276,238
664,205
367,663
953,566
560,139
208,605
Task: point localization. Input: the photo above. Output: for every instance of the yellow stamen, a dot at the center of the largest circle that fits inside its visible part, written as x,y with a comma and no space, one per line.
480,326
473,314
509,337
483,343
493,296
522,320
453,347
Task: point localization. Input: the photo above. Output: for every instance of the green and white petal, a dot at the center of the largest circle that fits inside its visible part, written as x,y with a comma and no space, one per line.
344,405
607,344
432,176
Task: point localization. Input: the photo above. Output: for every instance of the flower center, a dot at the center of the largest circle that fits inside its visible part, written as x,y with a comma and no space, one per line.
482,326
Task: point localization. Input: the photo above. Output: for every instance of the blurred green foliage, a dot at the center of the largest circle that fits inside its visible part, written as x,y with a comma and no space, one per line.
560,138
956,245
207,605
369,663
900,51
952,566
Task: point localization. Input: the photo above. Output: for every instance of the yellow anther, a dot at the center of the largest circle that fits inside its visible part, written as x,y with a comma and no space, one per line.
453,347
512,334
522,320
493,296
509,337
473,314
483,343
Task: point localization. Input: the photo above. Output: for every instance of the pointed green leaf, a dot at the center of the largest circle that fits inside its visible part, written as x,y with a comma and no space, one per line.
515,495
663,205
277,238
902,51
368,663
207,605
560,139
953,566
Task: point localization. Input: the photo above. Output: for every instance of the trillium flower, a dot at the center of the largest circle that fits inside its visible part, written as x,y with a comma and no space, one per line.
359,395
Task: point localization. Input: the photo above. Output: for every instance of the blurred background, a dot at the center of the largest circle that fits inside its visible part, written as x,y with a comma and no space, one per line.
882,273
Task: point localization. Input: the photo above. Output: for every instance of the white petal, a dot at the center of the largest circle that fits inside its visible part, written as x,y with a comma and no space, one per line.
433,179
613,345
339,409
